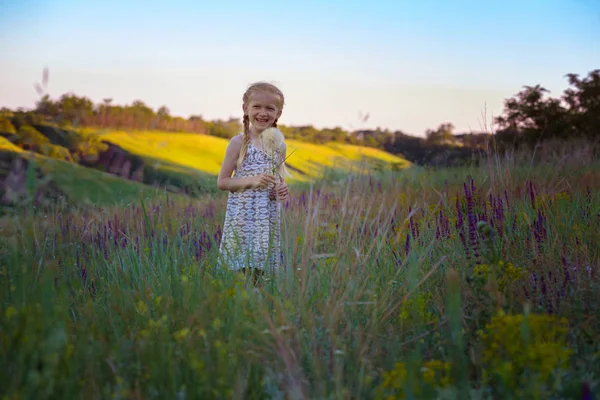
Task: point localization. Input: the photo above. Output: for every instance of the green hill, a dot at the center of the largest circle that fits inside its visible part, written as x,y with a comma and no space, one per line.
80,185
180,163
189,152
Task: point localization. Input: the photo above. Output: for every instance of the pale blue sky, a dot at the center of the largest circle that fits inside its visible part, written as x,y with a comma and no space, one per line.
411,64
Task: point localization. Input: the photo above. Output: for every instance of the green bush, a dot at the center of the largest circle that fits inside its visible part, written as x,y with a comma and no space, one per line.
55,151
29,138
87,146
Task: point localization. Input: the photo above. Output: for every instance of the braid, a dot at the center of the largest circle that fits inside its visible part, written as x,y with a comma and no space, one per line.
246,141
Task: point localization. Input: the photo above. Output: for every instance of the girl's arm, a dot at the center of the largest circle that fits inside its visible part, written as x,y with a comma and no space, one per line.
226,182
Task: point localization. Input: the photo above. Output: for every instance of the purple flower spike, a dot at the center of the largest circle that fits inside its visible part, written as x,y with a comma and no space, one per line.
531,194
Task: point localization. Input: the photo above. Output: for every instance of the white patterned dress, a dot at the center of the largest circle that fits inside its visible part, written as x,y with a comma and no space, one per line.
252,227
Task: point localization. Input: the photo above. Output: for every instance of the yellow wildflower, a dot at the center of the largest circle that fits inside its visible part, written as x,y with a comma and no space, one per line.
181,334
142,308
508,353
417,307
10,312
434,373
505,273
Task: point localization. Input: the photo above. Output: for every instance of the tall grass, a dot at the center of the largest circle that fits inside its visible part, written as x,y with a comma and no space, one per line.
457,283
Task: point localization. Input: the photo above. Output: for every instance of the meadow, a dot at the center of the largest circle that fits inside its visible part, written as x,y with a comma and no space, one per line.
193,160
182,163
205,153
453,283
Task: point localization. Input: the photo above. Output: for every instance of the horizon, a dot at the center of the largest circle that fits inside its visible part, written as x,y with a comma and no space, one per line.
390,62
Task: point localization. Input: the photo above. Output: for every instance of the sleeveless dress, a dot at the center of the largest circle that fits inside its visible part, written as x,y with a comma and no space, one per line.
252,227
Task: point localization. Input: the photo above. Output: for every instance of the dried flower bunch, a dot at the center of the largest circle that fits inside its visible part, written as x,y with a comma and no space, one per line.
273,143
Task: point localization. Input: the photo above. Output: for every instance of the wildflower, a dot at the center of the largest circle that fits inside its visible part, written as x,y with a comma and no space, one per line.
10,312
433,373
395,378
513,357
436,372
505,272
417,308
141,307
272,140
330,261
181,334
273,143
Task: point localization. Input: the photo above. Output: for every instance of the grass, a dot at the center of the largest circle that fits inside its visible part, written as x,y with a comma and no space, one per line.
205,153
86,186
393,290
92,187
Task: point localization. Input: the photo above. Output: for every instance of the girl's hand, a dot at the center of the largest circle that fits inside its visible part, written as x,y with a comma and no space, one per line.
283,191
262,181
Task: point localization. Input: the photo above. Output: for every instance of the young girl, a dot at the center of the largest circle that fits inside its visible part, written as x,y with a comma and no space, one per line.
251,231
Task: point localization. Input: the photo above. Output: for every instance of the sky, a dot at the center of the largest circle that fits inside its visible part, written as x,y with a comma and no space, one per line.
411,65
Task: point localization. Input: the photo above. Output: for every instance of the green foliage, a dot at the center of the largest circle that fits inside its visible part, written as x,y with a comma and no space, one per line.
224,129
55,151
86,147
28,138
442,135
534,118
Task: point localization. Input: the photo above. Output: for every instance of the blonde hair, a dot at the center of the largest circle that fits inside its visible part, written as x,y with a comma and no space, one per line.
256,87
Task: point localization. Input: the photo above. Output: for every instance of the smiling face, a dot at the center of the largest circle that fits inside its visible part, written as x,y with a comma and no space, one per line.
263,109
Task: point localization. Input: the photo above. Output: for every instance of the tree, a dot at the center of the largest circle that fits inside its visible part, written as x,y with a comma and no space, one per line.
104,111
584,103
74,110
142,115
531,116
534,116
46,107
442,135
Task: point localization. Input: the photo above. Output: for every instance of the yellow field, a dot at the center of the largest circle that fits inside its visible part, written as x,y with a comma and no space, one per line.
205,153
5,144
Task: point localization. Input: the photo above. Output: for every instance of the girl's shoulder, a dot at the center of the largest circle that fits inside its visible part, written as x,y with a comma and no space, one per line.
235,144
239,138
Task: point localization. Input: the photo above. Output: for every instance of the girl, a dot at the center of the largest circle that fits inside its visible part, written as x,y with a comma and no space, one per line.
251,231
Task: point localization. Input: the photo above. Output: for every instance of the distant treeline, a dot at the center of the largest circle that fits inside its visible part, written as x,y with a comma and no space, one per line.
529,117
